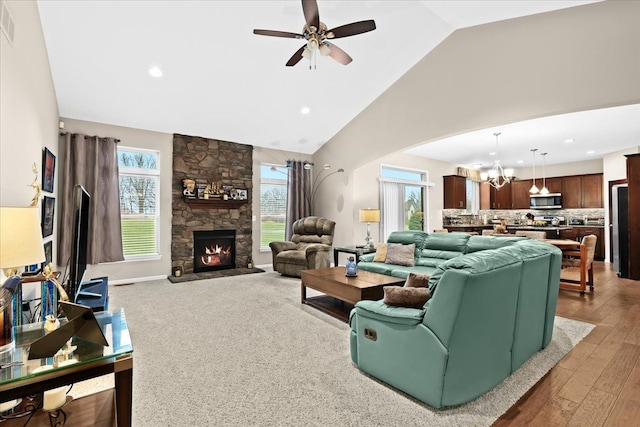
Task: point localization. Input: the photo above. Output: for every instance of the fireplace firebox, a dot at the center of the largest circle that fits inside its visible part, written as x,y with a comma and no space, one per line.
214,250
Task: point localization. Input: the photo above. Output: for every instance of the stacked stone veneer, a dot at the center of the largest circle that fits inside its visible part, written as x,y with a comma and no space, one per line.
205,161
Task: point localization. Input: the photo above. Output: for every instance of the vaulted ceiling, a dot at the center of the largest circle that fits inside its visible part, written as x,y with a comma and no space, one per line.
219,80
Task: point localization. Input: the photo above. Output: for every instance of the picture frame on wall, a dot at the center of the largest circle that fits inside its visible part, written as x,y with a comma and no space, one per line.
48,254
48,207
48,170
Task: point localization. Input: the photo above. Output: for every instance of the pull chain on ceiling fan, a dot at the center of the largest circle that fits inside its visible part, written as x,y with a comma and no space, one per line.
317,36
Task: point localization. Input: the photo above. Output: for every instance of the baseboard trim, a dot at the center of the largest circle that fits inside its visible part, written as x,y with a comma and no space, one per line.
137,279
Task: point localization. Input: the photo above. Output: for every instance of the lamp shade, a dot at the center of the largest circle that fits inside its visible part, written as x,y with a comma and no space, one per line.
369,215
20,237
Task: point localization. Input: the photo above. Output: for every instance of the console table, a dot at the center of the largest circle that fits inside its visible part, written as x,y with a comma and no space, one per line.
20,378
357,251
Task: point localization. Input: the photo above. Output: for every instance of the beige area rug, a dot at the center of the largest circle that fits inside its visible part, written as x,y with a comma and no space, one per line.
242,351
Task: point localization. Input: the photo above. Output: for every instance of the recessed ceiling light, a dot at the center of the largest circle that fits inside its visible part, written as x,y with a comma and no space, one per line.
476,166
493,153
155,72
520,161
305,110
568,141
590,152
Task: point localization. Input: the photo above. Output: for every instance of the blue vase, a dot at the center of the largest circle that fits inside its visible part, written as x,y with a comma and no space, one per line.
352,267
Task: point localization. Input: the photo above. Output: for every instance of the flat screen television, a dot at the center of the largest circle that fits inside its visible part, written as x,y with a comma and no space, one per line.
80,235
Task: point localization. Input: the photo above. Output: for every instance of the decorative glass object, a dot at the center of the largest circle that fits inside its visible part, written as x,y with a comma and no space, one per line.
352,267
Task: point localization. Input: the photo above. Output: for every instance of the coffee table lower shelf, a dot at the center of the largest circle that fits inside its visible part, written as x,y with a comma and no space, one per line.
330,305
341,293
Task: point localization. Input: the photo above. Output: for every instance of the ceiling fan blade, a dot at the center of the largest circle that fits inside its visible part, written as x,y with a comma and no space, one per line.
273,33
311,13
339,55
296,57
351,29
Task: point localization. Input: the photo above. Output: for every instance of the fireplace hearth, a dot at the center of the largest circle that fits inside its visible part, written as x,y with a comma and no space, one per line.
214,250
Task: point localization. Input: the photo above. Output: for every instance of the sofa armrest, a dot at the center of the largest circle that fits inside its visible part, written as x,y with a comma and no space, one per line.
386,313
367,257
278,247
317,247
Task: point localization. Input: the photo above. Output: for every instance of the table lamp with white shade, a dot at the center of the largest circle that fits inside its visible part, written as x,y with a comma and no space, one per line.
369,216
20,245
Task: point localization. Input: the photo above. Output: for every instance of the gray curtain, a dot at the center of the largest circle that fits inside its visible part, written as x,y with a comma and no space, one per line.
92,162
298,195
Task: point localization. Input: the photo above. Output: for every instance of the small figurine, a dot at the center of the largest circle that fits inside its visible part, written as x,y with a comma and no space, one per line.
36,186
189,187
51,324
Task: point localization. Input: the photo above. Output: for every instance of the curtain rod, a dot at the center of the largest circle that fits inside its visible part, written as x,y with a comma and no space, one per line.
86,136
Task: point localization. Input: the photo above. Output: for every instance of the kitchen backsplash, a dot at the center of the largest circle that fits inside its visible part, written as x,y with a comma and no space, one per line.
517,216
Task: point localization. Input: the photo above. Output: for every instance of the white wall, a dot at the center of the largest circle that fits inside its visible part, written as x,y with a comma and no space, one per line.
561,169
28,105
272,157
573,59
614,168
129,271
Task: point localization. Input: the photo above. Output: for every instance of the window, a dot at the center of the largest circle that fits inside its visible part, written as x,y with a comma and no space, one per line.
273,204
404,199
139,196
473,196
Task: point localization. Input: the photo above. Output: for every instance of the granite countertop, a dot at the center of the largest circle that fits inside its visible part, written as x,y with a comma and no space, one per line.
531,227
468,226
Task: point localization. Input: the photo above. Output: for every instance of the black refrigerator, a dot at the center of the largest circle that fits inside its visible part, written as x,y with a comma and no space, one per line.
620,222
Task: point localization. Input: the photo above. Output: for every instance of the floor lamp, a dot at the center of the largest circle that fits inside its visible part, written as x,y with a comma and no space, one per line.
369,216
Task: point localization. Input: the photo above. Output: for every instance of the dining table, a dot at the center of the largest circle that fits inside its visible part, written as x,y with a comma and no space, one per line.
563,244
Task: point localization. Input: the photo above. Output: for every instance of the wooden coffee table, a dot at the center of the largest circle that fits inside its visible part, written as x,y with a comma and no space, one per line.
342,292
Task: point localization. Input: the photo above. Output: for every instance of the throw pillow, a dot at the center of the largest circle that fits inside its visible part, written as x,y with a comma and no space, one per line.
381,253
416,280
399,254
406,297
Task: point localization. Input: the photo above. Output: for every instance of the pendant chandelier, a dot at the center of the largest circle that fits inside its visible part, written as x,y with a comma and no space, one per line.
544,190
534,189
497,176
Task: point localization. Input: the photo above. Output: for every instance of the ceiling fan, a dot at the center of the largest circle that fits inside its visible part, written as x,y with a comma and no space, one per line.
317,36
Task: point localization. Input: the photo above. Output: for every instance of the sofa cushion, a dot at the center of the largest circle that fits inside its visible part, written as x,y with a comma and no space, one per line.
430,262
454,242
403,271
406,297
292,257
399,254
416,280
381,253
482,243
407,237
376,267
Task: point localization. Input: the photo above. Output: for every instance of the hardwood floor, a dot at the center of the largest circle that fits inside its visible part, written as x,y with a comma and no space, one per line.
598,382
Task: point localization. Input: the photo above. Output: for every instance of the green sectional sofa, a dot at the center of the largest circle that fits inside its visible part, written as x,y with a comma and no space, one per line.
492,307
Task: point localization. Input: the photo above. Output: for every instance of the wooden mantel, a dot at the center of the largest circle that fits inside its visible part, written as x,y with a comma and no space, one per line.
215,203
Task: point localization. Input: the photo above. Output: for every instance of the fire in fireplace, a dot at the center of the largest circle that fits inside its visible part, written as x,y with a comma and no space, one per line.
214,250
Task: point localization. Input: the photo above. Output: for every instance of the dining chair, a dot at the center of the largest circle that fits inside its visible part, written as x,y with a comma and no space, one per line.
583,259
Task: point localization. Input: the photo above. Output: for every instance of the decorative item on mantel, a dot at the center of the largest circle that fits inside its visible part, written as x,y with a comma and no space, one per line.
189,188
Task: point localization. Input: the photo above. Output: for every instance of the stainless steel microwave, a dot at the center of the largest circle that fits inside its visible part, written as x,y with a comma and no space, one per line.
546,201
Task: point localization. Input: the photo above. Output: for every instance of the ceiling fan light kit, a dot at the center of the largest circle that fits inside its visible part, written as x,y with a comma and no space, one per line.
316,34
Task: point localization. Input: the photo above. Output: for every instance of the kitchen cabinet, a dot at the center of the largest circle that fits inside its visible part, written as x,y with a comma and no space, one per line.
582,191
554,185
520,194
592,191
455,192
500,199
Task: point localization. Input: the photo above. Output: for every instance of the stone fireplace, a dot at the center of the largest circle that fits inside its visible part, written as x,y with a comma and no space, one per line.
207,161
